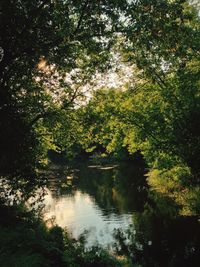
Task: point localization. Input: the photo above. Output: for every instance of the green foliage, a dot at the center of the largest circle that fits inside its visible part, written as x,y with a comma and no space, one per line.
175,183
50,49
161,36
101,123
157,113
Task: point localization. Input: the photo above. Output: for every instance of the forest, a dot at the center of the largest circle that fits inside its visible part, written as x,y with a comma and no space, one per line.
112,80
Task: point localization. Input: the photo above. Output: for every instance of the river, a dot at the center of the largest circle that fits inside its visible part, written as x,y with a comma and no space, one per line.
97,200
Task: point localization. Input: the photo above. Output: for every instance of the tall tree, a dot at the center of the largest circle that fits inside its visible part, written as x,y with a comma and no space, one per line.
40,42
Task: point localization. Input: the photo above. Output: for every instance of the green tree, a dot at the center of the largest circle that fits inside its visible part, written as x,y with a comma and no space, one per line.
41,41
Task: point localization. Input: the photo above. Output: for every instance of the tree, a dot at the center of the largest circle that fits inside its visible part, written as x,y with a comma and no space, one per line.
40,42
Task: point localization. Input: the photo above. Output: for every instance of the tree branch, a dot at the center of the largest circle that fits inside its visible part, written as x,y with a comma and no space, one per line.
81,17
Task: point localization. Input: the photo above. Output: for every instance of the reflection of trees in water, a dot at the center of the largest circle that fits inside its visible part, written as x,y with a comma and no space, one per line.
57,180
122,189
159,239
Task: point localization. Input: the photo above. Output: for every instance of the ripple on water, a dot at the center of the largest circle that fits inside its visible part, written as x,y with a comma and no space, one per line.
79,213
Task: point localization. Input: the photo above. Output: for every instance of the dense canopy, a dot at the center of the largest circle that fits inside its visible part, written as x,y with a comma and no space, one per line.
52,53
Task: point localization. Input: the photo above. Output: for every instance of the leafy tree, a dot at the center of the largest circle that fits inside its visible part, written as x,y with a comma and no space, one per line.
158,114
40,42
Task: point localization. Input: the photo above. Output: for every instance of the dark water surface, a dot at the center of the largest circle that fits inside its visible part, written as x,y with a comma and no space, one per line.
101,199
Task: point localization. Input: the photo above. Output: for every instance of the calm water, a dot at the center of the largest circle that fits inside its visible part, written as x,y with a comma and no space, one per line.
94,199
101,199
79,212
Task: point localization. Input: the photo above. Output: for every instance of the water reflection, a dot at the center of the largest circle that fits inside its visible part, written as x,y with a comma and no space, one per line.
102,200
160,240
97,200
78,212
